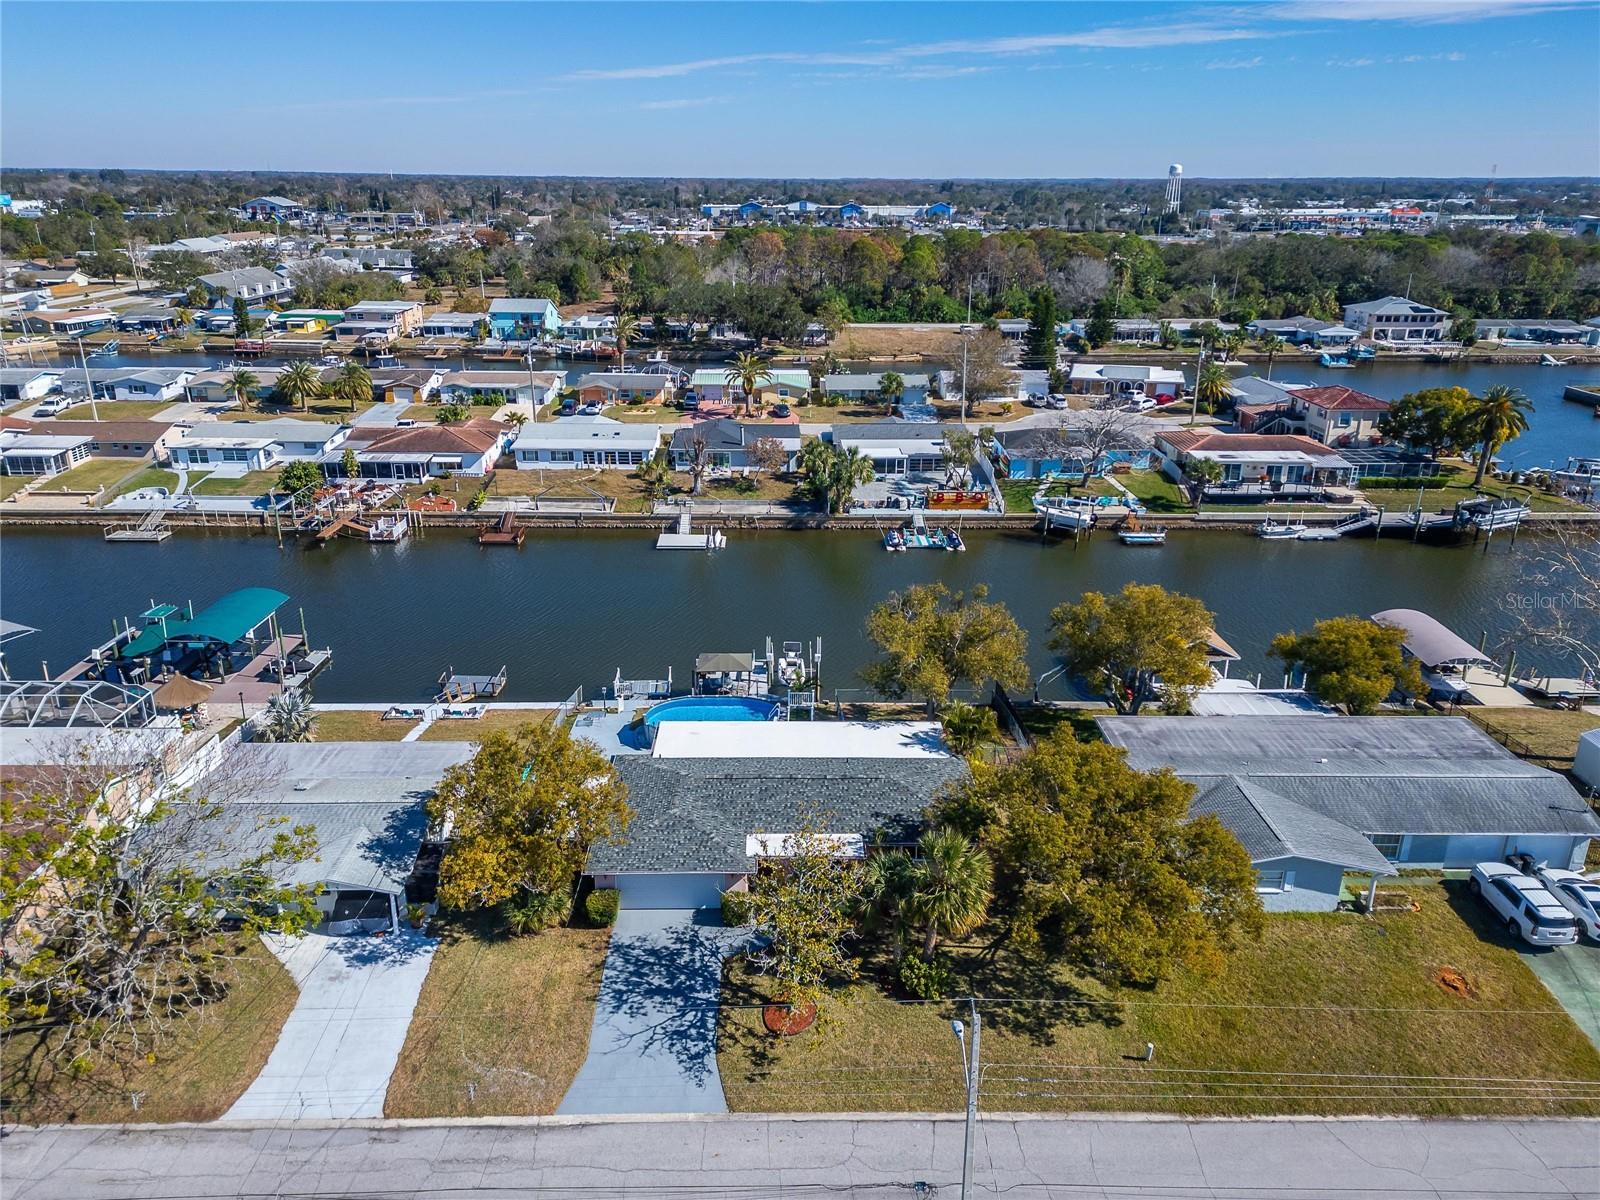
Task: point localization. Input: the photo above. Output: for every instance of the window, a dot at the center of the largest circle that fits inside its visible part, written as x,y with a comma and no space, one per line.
1387,844
1269,881
561,456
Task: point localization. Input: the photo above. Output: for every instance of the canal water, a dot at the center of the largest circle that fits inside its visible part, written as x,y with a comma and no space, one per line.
572,608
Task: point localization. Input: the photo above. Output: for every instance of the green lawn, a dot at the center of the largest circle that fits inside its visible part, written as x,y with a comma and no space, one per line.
149,477
252,483
116,410
1401,496
1037,720
507,1016
1158,493
12,483
193,1075
359,725
1308,1014
91,476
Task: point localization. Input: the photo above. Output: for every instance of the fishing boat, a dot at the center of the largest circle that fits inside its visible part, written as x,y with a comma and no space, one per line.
110,347
1065,512
1317,533
1285,531
1132,533
1550,360
952,539
1362,353
1336,362
894,539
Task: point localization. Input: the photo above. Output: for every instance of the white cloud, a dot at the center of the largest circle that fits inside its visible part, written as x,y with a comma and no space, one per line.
1420,12
682,102
1352,62
1236,64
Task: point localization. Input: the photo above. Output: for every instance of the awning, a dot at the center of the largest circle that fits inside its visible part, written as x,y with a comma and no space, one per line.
1429,642
181,692
719,664
223,622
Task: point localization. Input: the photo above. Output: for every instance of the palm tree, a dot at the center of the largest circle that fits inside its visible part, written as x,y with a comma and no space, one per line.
1211,388
953,883
1497,416
352,384
1271,345
241,387
627,327
747,373
185,318
845,471
968,727
1232,343
890,388
289,718
299,385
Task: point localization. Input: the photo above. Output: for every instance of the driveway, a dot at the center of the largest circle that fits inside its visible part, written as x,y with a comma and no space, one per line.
382,414
340,1044
653,1048
1572,973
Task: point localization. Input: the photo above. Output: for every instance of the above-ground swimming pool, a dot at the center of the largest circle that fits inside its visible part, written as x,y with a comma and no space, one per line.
710,708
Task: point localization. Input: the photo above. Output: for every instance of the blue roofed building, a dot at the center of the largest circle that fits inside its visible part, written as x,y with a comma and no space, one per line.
521,318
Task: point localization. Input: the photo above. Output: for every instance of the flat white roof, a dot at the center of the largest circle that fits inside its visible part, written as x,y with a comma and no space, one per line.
799,739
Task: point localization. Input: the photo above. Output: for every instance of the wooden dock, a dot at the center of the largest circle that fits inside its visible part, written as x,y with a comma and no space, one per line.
505,532
151,529
455,686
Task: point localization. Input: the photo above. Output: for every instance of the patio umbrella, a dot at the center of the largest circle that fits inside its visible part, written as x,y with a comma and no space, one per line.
181,692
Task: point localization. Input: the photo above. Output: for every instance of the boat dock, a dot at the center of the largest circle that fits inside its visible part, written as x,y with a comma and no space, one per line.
1583,393
152,528
455,686
504,532
681,535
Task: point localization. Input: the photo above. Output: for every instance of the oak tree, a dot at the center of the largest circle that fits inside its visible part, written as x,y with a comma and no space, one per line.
1140,646
931,640
1351,662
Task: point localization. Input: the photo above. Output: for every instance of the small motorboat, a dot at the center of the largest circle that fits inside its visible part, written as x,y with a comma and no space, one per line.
1550,360
1320,533
952,540
1285,531
894,539
1142,537
1362,353
1336,362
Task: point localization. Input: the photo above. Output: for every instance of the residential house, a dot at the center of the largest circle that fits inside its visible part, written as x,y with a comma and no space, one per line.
896,448
136,383
417,452
27,383
206,247
59,277
1335,416
451,325
254,284
728,444
1396,319
1426,794
1306,331
589,327
1551,332
211,387
307,320
65,322
862,387
386,319
534,388
371,221
1045,452
40,454
577,442
152,319
271,208
1269,460
365,805
406,385
396,263
519,319
626,387
256,445
710,386
1125,381
115,439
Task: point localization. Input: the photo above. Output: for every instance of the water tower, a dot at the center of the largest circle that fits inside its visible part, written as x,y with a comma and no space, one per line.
1174,187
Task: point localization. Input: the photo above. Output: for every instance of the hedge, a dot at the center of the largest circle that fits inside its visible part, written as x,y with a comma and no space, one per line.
1429,482
600,906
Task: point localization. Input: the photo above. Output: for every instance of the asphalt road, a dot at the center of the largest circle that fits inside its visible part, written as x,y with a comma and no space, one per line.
840,1157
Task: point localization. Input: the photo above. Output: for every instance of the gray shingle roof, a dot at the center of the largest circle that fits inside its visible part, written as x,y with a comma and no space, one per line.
725,434
693,814
1270,826
1374,774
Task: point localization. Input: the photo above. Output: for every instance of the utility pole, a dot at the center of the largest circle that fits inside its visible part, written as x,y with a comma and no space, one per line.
969,1065
83,361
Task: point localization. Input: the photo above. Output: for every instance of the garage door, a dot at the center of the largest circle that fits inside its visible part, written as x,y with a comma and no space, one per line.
670,891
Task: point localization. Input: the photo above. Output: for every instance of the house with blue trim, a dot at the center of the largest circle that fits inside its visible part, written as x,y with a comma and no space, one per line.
521,318
1045,452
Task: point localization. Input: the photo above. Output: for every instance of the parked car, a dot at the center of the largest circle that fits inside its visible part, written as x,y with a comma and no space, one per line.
1138,404
1056,400
1580,896
51,405
782,411
588,410
1521,901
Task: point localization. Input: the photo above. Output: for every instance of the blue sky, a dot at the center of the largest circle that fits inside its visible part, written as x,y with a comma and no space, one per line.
1277,88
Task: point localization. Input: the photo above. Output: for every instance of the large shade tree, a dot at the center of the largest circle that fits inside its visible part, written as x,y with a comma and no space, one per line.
1351,661
1143,645
1099,863
931,640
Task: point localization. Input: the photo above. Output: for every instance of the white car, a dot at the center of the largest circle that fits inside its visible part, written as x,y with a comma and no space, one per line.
1529,911
51,405
1580,895
1138,404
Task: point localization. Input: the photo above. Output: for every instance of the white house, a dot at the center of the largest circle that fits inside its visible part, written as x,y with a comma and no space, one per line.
1254,458
1306,331
413,452
133,383
253,284
35,454
575,442
27,383
450,325
729,443
862,387
1396,319
896,448
588,327
1124,380
536,388
386,318
257,445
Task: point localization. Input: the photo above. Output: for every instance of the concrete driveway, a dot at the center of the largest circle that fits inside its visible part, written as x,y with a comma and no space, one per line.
653,1048
382,414
1572,973
340,1044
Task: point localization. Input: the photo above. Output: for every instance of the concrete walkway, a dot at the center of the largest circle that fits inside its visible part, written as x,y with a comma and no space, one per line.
340,1044
653,1047
1572,974
848,1157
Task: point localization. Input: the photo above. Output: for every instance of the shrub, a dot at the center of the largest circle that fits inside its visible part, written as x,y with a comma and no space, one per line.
600,907
924,979
478,497
535,911
1404,481
735,908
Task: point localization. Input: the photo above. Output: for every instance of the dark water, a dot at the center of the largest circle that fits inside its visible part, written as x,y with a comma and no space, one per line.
571,608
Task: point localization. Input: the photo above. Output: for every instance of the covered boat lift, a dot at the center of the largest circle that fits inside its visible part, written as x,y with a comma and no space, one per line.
1453,668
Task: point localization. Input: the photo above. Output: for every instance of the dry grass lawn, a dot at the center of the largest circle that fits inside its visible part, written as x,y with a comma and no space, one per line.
508,1016
494,720
1303,1021
359,725
856,342
1546,736
194,1075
